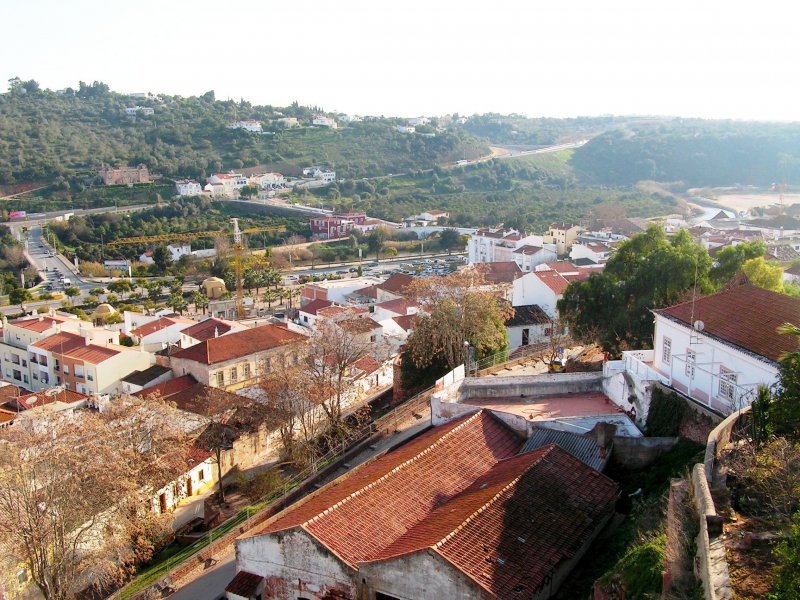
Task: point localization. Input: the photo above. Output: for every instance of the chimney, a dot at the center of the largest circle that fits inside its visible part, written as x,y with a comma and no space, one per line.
41,318
88,340
216,332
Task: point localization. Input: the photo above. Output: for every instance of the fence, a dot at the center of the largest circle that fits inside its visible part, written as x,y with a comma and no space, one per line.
503,359
256,513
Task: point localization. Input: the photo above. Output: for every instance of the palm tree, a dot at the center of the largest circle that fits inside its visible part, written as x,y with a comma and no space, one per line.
270,296
199,300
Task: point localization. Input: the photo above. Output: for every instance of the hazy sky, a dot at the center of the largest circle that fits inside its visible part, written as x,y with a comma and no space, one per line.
559,58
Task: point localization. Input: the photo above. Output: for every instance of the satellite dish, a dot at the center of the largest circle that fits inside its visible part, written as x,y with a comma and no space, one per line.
698,325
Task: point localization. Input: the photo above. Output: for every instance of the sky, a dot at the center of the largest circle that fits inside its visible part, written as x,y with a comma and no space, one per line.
555,58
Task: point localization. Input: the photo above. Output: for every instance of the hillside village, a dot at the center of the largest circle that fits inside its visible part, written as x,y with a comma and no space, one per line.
460,503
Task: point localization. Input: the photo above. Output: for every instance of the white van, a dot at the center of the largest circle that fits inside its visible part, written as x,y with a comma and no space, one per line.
67,282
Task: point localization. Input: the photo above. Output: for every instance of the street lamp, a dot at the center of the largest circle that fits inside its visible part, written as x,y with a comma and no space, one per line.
467,357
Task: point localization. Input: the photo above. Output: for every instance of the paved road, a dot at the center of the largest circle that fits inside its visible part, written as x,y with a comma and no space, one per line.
210,585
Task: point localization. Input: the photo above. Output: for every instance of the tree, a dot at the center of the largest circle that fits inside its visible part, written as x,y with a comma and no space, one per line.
647,272
161,258
449,239
763,275
331,352
177,302
248,191
786,407
18,296
270,296
457,308
154,289
121,286
71,292
729,260
376,240
199,300
75,492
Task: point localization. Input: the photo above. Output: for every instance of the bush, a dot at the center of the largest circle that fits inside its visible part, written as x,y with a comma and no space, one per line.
264,483
638,574
786,585
666,413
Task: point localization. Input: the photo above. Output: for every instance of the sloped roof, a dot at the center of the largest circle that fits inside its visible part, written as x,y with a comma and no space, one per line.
367,364
244,584
743,316
37,324
359,325
74,346
9,391
407,322
205,401
159,324
144,377
168,388
516,523
396,283
312,307
527,249
399,306
239,344
29,401
389,495
582,447
500,272
529,314
554,280
208,329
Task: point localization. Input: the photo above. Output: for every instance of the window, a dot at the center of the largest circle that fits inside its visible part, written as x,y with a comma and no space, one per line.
14,359
234,374
66,369
691,359
220,379
666,351
727,383
17,375
246,370
526,336
90,377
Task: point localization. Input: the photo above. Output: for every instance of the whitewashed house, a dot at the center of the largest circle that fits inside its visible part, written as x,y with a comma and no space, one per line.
248,125
188,187
322,121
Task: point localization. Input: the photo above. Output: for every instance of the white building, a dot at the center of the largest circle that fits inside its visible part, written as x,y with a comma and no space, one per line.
188,187
419,121
134,110
529,325
720,348
287,122
267,181
543,288
225,185
323,121
323,173
528,257
350,119
248,125
405,128
498,245
593,251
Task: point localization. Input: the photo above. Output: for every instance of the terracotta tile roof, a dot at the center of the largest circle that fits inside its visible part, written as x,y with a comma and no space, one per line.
10,391
331,311
396,283
500,272
562,266
312,307
407,322
743,316
208,329
158,325
391,494
513,526
399,306
205,401
29,401
239,344
244,584
168,388
555,281
7,415
39,325
367,365
74,346
359,325
528,249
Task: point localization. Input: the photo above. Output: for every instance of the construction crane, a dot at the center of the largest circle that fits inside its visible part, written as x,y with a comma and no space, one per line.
238,248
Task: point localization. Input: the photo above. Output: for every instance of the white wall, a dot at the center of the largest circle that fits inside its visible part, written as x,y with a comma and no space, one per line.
529,289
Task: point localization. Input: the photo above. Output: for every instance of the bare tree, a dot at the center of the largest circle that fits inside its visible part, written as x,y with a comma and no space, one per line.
74,491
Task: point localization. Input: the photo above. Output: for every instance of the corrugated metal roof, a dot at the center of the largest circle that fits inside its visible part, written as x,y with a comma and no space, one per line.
582,447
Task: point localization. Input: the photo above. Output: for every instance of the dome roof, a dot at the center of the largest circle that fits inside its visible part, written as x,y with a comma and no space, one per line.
103,310
211,280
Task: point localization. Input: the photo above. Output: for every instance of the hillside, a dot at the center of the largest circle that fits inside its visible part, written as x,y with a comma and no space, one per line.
45,135
694,152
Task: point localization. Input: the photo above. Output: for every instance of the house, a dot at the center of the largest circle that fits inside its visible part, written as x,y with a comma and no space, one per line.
139,380
369,225
542,288
323,121
718,349
239,359
330,227
134,110
267,181
361,536
416,121
528,257
364,331
394,308
249,125
350,119
529,325
198,477
57,399
494,244
405,128
177,251
563,235
83,365
226,185
595,252
434,216
394,287
792,274
287,122
336,290
208,328
307,314
124,175
188,187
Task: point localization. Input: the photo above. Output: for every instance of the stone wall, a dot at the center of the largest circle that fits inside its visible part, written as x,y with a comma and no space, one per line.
639,452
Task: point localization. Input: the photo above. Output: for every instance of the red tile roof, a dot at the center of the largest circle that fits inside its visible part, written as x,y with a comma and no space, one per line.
244,584
500,272
517,523
407,322
396,283
240,344
208,329
743,316
359,325
391,494
367,365
158,325
555,281
399,306
74,346
168,388
528,249
204,400
10,391
312,307
37,324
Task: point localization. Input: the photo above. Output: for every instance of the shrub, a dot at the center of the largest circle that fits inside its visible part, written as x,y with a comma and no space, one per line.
786,585
666,413
264,483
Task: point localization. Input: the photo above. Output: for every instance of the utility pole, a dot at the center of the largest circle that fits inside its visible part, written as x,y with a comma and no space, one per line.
237,249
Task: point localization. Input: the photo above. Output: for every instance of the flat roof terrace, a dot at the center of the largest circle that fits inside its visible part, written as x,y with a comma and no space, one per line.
584,404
